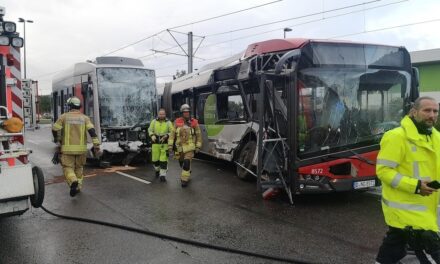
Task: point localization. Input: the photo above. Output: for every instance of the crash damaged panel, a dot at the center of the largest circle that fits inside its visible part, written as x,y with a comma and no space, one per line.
127,96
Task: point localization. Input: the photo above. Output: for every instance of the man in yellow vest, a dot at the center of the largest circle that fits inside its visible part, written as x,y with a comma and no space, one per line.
74,126
188,139
409,161
159,131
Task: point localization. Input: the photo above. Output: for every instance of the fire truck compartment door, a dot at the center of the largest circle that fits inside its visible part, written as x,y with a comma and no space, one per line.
16,181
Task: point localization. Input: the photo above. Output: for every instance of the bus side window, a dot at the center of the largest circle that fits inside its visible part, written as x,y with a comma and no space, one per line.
230,107
200,107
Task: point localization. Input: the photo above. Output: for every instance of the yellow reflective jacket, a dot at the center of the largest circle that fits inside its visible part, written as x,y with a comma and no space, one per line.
187,135
405,157
160,127
73,126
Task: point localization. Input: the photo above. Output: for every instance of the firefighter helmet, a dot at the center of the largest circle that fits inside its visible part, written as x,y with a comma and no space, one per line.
74,102
12,125
185,108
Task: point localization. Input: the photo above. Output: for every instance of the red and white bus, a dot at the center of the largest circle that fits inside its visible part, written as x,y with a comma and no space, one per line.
305,115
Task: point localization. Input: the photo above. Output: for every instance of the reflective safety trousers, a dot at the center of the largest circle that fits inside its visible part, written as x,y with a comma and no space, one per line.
74,126
405,157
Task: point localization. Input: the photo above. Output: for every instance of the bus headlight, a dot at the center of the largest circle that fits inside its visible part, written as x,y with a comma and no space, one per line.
4,41
17,42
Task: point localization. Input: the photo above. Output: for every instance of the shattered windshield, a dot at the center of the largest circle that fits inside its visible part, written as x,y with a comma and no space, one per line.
341,107
127,96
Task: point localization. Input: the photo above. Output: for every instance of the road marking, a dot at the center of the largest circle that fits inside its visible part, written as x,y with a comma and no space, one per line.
33,142
132,177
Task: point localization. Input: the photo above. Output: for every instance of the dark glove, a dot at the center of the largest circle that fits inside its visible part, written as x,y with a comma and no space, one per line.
164,139
56,158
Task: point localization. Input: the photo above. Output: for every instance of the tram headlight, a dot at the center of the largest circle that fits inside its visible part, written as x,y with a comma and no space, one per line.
4,41
17,42
142,135
9,27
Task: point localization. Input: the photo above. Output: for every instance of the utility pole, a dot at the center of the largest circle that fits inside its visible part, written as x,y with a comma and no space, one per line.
24,21
190,52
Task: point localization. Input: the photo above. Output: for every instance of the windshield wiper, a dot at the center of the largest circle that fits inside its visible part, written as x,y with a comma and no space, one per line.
357,156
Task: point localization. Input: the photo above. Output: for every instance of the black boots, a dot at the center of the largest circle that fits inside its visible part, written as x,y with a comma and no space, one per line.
73,188
184,184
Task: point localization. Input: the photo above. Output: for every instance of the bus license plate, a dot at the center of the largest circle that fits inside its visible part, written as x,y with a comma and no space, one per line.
364,184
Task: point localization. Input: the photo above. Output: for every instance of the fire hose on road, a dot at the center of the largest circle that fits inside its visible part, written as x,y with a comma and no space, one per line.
178,239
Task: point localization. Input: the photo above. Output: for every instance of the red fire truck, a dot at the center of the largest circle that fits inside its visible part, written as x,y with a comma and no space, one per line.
20,182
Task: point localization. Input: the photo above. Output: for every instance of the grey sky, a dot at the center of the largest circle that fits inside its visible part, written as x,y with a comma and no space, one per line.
66,32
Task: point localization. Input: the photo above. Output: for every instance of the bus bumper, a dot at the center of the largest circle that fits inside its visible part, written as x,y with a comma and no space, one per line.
338,185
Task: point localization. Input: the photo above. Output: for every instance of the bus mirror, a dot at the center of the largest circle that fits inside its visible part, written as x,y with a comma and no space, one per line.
292,55
416,76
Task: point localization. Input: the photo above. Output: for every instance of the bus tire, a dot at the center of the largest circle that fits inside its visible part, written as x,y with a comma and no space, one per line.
245,158
38,177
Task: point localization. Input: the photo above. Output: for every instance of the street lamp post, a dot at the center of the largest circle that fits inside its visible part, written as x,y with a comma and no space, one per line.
284,30
24,21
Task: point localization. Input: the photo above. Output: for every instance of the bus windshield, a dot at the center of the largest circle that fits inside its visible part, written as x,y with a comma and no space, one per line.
127,96
342,107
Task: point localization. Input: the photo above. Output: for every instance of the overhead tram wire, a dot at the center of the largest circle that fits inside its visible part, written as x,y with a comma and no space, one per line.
273,30
242,10
293,18
191,23
301,24
353,34
227,14
256,34
387,28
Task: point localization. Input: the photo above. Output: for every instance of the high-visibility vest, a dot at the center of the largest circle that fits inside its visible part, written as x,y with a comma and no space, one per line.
159,128
405,157
74,126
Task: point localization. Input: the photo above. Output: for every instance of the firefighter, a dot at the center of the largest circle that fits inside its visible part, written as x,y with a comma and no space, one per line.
408,160
159,131
74,126
187,138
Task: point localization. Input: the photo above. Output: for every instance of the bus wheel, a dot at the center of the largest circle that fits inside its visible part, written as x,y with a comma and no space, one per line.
38,197
245,159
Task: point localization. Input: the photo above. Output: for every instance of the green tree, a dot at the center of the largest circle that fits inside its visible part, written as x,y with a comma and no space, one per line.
179,74
45,103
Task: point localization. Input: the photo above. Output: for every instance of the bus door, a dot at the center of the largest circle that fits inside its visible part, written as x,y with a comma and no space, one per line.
203,115
224,120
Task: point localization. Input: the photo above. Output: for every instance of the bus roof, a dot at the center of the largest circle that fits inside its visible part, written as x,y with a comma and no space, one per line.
100,62
203,75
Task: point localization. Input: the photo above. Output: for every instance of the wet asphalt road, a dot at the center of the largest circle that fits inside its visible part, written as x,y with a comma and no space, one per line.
216,208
